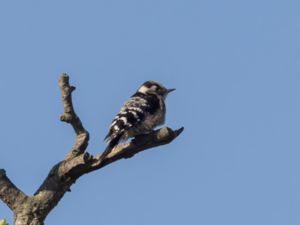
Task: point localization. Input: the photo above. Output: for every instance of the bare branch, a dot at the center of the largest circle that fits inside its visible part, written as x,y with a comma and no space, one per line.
85,164
69,116
9,193
74,168
140,143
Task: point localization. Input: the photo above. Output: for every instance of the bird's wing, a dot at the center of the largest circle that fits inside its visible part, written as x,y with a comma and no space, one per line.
131,114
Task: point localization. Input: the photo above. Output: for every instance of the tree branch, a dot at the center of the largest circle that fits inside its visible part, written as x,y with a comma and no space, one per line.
87,163
140,143
69,116
9,193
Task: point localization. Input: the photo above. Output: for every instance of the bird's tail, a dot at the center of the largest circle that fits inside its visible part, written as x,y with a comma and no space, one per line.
111,144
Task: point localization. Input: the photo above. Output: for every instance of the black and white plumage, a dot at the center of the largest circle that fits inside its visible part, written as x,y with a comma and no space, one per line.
140,114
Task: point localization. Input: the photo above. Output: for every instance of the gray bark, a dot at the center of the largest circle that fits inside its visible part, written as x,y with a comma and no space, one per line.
32,210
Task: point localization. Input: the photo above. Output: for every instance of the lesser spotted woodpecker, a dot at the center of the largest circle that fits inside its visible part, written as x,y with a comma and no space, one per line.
139,115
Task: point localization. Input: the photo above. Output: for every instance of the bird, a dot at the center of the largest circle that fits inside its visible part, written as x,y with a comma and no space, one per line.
140,114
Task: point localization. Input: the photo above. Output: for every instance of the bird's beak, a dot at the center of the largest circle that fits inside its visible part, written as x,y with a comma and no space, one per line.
170,90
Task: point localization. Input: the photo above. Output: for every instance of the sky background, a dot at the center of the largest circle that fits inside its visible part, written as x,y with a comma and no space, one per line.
236,68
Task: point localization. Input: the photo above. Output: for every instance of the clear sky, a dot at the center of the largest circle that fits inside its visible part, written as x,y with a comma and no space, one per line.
236,67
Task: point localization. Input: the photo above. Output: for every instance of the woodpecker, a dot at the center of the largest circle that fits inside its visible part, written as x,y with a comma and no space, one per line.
142,112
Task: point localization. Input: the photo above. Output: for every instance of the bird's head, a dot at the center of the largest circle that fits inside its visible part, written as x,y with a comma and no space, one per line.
155,88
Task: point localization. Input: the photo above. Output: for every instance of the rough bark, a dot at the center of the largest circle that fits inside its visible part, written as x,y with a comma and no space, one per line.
32,210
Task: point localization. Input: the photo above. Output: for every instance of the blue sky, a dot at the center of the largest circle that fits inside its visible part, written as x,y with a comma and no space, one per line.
236,68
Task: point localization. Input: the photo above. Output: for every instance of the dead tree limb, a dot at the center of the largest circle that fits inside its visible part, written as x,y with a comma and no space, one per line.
32,210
